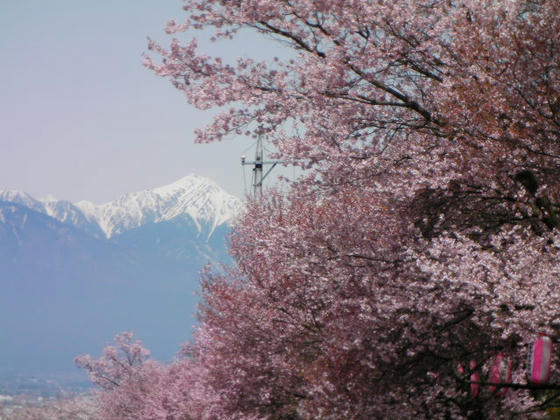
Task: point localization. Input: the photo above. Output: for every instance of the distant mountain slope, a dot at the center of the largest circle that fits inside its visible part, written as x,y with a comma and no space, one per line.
71,276
63,211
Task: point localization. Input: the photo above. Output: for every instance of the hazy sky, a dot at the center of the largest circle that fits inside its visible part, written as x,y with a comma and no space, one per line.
81,118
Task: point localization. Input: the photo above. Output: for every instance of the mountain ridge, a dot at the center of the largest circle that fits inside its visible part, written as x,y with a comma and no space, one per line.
192,196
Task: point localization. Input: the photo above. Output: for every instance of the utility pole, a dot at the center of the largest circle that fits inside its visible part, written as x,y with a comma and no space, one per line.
258,166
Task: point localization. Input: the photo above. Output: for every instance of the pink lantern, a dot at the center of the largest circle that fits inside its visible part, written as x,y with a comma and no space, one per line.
501,373
475,378
541,356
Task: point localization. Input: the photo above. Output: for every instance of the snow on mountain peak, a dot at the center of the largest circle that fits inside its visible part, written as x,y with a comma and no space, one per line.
188,182
22,198
200,198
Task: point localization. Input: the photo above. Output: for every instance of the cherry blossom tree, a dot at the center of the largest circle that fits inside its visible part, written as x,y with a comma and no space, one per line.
408,273
130,385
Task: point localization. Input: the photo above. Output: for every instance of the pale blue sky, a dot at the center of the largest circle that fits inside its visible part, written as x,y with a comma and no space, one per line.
81,118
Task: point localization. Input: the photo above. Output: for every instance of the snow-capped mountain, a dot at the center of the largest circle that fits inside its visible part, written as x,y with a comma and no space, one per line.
193,197
201,199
